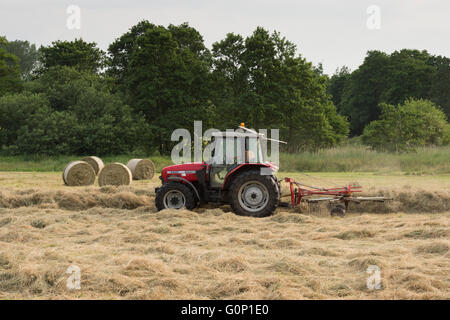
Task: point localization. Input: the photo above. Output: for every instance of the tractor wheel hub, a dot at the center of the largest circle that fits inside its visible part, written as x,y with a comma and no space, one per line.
253,195
174,200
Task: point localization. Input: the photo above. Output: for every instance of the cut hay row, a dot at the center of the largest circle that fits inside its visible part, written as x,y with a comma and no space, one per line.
116,174
141,169
78,173
83,198
95,162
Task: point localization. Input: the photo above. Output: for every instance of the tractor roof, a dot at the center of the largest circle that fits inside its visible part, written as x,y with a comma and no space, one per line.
241,134
233,134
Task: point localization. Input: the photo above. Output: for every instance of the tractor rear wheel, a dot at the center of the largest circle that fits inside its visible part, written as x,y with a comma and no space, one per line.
175,195
253,194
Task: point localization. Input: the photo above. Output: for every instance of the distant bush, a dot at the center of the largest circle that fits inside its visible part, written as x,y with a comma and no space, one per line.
14,110
416,123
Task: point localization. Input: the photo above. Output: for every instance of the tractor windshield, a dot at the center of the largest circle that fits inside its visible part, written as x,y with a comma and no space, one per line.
236,150
253,152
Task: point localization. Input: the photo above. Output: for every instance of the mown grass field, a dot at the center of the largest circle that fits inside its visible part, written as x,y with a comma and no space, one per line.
125,249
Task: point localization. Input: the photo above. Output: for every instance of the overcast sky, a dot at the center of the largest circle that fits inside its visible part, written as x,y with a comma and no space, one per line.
333,32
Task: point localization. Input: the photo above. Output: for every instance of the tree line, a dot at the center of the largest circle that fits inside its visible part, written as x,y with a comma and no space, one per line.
73,98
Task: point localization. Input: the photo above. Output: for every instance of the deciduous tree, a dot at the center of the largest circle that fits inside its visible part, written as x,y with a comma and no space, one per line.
27,54
10,81
81,55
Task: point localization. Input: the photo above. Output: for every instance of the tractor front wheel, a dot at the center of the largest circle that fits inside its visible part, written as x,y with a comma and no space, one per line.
175,195
253,194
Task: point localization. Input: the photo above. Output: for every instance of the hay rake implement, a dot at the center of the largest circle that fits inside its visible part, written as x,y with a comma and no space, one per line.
338,198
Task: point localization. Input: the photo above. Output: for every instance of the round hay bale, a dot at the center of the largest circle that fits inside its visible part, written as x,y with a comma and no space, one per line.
78,173
95,162
115,174
142,169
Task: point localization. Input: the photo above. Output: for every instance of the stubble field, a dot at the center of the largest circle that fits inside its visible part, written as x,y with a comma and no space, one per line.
124,249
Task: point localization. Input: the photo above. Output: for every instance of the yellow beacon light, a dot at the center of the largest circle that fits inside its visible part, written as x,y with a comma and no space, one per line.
242,124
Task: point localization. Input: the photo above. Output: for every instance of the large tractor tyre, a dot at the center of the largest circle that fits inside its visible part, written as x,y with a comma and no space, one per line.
175,195
253,194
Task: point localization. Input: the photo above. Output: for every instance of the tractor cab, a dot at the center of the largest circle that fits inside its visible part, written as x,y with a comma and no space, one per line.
231,150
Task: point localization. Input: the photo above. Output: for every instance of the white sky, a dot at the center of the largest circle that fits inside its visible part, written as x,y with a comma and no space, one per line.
332,32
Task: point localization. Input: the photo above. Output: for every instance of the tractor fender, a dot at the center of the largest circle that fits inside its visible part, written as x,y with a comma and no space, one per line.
186,181
240,168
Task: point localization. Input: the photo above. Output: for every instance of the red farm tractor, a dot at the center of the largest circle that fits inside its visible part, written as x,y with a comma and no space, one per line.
237,174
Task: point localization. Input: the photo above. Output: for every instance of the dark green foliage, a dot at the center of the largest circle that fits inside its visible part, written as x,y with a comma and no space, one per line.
390,79
27,54
336,85
416,123
364,90
81,55
14,110
9,70
69,98
260,81
72,114
64,86
47,132
440,88
164,74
